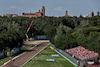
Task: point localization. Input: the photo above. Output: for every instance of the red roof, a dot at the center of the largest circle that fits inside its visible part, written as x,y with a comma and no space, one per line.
30,13
67,16
82,53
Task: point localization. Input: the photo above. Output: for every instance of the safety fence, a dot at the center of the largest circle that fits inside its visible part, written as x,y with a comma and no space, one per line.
63,55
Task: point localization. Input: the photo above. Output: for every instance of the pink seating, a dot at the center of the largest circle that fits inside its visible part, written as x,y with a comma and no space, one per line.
82,53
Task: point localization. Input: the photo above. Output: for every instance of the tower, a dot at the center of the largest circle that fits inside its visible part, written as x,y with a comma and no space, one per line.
39,10
43,10
66,13
92,14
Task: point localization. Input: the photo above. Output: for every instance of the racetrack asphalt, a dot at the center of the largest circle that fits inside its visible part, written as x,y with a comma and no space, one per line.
18,62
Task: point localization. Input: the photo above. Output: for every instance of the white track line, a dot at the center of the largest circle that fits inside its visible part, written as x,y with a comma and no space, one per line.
36,54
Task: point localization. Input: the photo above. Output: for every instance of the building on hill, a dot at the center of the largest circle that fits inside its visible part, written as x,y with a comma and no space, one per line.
66,14
9,15
92,14
37,14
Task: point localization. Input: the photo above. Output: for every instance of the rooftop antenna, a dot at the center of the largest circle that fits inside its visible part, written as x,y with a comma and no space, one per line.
30,11
30,14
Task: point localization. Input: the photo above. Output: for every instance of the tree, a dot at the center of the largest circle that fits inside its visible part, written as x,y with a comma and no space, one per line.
50,31
80,16
9,39
98,14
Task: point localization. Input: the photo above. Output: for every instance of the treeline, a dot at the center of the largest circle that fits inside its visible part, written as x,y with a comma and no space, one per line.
63,32
72,32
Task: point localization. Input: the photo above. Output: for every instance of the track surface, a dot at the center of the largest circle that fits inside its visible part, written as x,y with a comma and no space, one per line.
35,42
26,56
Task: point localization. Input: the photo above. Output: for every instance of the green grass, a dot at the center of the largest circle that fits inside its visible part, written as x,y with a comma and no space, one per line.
26,47
2,61
40,61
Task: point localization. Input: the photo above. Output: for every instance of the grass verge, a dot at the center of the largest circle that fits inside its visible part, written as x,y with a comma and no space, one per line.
40,61
2,61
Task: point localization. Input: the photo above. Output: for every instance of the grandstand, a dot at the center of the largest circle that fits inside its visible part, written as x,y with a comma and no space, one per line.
82,55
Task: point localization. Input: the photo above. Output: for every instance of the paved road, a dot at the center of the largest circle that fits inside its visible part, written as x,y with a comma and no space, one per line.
35,42
26,56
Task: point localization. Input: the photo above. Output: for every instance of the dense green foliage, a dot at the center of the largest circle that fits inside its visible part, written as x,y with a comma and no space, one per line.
63,32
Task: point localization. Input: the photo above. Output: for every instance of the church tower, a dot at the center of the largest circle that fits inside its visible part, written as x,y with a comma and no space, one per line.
92,14
43,10
66,13
39,10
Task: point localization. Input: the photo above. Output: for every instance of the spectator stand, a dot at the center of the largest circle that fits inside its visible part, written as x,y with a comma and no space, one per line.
83,55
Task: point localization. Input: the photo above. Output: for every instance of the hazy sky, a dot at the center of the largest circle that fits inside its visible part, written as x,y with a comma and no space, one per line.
52,7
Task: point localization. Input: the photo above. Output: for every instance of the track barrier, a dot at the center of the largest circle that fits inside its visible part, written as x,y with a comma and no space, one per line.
64,57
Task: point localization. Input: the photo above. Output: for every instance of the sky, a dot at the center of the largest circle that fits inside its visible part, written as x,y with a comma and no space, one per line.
55,8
